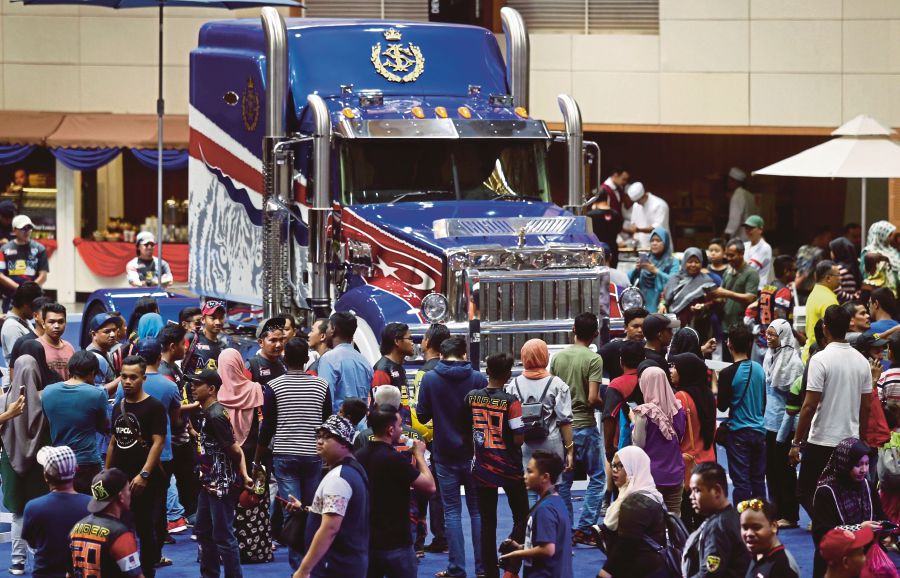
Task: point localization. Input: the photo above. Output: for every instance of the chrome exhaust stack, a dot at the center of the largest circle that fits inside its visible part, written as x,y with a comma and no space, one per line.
518,54
575,151
320,298
276,173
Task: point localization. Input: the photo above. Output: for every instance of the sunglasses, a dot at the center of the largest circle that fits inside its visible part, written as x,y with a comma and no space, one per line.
755,504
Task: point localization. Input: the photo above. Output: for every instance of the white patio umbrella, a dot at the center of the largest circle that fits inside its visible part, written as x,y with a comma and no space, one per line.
863,150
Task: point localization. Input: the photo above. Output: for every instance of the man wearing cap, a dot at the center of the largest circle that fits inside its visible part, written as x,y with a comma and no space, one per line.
337,529
204,354
658,331
651,212
844,550
757,252
138,438
101,545
741,206
7,214
47,520
223,472
22,259
104,330
141,271
267,364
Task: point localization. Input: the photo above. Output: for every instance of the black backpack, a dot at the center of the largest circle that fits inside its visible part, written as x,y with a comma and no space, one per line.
536,428
676,538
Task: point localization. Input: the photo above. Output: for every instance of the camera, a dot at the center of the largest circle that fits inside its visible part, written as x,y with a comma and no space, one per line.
507,546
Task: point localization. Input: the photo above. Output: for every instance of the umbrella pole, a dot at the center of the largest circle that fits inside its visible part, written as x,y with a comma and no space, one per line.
160,112
862,217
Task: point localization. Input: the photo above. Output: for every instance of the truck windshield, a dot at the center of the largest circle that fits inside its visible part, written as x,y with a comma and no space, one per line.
390,171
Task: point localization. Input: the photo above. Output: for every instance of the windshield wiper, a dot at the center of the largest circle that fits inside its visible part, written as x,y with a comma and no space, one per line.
419,194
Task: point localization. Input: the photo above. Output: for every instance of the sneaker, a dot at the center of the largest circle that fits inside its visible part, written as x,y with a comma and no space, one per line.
194,537
176,526
583,538
438,547
17,569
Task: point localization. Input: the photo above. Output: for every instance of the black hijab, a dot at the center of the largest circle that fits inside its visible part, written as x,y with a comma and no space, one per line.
34,348
845,255
693,379
685,340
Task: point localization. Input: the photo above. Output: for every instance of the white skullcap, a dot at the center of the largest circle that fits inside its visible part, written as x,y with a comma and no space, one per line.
387,395
737,174
635,191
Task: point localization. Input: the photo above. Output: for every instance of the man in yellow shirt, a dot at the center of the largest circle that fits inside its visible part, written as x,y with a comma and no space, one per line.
828,278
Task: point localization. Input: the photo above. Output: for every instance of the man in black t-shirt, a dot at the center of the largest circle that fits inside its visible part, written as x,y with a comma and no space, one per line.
206,345
396,346
22,259
138,435
267,364
390,477
606,223
223,472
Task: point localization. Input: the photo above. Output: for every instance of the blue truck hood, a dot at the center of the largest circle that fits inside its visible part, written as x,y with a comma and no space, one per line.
414,222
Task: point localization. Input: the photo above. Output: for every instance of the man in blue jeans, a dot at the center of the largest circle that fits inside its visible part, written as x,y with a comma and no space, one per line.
742,391
442,394
292,412
582,370
222,474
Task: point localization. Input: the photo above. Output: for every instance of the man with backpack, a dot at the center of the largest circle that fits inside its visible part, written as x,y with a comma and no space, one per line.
498,433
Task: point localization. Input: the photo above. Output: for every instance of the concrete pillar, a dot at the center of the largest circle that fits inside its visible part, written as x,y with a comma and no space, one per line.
110,192
68,226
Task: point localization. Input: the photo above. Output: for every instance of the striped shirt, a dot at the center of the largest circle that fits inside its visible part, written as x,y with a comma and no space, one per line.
889,384
302,403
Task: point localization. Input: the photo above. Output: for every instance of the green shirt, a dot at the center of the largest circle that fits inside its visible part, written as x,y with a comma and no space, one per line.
744,281
577,366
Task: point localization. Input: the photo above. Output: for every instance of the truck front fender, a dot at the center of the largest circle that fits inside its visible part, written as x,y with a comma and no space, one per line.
374,308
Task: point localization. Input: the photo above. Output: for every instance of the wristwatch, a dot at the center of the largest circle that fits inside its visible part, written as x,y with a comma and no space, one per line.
145,475
796,444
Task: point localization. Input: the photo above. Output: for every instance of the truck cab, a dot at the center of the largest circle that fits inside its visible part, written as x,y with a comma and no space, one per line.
390,169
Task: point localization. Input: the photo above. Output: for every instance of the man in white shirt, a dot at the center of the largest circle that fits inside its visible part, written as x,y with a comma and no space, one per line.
757,251
741,206
648,213
836,406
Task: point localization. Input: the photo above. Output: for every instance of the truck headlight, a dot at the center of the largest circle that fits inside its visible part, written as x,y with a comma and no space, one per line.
435,307
630,298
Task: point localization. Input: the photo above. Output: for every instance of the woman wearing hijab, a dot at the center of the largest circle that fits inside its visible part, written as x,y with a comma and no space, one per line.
536,387
149,325
782,367
879,241
653,273
843,252
687,288
34,348
659,426
23,436
844,495
638,511
691,381
244,399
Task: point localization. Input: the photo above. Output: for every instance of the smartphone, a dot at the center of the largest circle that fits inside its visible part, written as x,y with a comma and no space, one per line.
644,258
631,404
282,500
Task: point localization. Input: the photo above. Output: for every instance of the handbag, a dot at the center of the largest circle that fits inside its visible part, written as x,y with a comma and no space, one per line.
293,532
724,428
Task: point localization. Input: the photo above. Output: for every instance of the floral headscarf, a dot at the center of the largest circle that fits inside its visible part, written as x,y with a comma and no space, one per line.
853,499
660,404
879,241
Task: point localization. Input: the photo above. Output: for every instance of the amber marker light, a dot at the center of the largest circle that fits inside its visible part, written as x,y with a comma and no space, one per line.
521,111
464,112
418,112
440,111
348,112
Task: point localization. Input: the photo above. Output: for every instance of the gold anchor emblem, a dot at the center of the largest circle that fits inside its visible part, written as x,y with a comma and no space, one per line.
397,58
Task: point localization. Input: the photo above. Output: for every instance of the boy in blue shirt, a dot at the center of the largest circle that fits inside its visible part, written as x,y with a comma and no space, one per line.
547,552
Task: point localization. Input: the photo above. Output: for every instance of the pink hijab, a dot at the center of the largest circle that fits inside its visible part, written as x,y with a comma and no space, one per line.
660,404
240,395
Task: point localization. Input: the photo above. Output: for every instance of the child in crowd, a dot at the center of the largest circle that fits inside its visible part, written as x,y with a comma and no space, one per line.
548,538
759,530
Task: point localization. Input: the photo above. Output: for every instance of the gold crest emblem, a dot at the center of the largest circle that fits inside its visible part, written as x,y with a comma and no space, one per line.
250,106
398,62
713,563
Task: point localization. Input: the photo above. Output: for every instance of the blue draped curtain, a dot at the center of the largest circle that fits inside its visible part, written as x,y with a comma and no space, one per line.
85,159
172,160
12,154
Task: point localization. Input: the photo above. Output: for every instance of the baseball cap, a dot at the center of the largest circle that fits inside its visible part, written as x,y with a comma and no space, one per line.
269,325
213,305
148,347
654,324
840,541
863,342
102,319
635,191
144,237
7,208
737,174
755,221
207,376
58,462
22,221
339,427
105,487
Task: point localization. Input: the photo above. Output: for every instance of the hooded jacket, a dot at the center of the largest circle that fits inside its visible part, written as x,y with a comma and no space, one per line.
442,396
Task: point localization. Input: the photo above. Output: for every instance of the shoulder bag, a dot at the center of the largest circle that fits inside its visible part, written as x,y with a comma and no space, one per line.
724,428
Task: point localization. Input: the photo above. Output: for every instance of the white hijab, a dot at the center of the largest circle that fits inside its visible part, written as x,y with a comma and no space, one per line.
783,365
637,469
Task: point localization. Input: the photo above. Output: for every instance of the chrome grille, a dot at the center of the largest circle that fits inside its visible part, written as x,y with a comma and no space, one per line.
503,300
